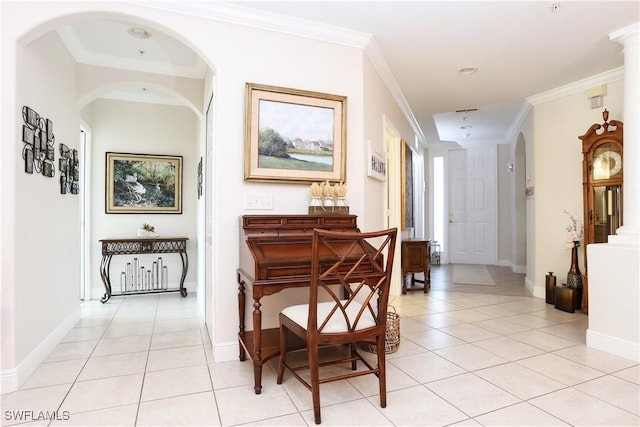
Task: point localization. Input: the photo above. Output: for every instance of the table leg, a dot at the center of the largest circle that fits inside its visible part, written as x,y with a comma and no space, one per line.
104,274
257,345
241,302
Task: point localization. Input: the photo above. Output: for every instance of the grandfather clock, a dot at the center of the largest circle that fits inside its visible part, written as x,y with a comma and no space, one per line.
602,176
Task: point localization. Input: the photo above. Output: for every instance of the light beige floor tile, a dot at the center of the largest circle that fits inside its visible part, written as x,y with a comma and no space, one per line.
412,325
508,348
84,334
630,374
330,393
616,391
441,306
470,422
114,365
418,405
500,326
470,357
426,367
580,409
596,359
284,421
236,373
558,316
519,381
36,399
438,320
495,311
529,320
463,392
574,331
469,333
560,369
411,310
120,345
469,315
71,350
175,358
115,417
175,339
93,321
526,305
126,329
522,414
368,385
103,393
467,302
406,348
190,410
272,402
432,339
53,373
542,340
175,382
176,325
359,412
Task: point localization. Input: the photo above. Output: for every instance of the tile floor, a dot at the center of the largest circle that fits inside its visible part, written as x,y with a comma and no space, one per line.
469,356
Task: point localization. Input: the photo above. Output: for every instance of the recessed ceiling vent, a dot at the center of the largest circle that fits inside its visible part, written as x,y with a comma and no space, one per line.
466,110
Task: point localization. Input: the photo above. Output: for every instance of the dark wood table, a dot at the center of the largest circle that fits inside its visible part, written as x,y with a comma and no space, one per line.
416,258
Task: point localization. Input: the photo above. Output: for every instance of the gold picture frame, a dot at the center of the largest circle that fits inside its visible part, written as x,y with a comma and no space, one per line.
294,135
143,183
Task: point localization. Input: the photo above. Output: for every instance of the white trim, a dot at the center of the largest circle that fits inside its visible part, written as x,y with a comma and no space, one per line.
12,379
579,86
226,351
622,348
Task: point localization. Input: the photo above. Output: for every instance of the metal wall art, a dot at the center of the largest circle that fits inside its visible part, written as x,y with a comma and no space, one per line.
38,138
69,170
200,178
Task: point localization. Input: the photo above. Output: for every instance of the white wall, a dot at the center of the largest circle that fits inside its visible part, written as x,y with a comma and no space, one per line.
557,155
246,55
41,283
133,127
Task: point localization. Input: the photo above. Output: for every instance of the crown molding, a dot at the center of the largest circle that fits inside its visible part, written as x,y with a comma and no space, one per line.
577,87
234,14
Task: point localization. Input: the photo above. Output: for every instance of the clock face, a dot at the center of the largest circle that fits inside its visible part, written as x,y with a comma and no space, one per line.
607,164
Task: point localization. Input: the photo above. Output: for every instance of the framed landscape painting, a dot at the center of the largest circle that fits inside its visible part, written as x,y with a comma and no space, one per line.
294,135
143,183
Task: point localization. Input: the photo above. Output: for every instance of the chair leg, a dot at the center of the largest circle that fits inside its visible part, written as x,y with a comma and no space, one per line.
352,348
382,377
284,335
315,381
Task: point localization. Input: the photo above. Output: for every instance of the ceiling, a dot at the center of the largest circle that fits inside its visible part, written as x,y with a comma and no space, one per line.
520,49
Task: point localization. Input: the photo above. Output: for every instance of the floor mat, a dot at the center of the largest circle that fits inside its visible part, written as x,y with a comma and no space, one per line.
469,274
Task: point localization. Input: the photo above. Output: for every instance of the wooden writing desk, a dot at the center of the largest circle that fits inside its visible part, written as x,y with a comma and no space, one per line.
275,254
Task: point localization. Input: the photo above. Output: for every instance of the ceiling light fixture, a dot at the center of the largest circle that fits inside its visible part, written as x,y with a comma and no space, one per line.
139,33
468,70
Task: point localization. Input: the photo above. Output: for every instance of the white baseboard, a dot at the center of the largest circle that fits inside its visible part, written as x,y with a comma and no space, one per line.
622,348
226,352
536,291
12,379
522,269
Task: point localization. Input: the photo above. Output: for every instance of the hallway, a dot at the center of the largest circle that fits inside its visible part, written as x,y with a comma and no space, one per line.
469,355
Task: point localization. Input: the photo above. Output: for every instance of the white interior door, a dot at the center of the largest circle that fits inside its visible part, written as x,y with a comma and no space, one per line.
472,206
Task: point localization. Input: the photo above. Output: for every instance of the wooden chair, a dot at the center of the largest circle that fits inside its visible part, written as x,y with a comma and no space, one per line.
351,273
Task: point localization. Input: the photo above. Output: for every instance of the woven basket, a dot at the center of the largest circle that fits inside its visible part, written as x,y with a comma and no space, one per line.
392,335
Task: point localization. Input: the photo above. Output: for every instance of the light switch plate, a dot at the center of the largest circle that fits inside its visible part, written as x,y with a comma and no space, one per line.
258,201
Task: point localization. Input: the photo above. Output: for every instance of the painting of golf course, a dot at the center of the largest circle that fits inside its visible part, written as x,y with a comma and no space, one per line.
293,136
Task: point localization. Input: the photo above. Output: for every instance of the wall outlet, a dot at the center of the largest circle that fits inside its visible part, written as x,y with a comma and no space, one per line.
258,201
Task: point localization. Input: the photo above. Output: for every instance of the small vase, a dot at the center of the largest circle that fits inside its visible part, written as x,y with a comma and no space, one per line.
574,277
316,201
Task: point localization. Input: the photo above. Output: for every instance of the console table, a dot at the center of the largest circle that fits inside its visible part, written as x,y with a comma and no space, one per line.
154,245
416,256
